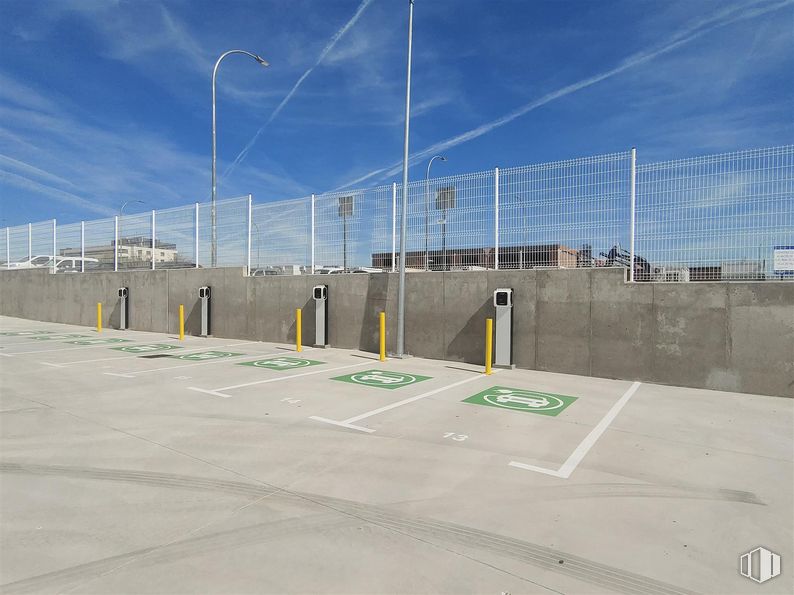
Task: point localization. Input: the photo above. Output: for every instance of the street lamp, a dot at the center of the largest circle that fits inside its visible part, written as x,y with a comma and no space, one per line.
427,207
121,217
214,154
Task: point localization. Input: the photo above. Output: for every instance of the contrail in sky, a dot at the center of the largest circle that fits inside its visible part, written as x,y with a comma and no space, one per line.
329,46
681,37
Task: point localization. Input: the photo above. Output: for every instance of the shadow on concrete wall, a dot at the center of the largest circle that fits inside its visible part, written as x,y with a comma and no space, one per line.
374,304
193,319
468,345
114,320
307,324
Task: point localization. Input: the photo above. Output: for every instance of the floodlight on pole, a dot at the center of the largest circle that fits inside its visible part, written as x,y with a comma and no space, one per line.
263,62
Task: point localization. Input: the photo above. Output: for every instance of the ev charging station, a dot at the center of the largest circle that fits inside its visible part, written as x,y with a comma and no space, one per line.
123,294
320,295
204,296
503,328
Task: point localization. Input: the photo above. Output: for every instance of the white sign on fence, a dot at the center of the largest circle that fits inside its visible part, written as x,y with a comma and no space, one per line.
784,259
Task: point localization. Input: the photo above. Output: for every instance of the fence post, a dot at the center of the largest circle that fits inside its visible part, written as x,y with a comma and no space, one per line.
197,234
8,247
312,230
154,235
633,195
116,243
54,244
496,219
248,262
30,241
82,246
393,226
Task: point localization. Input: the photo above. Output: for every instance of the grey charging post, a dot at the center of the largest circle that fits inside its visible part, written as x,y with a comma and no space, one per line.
503,328
320,295
123,294
204,296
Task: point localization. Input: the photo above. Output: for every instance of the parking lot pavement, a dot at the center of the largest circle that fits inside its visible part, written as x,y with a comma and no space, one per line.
148,464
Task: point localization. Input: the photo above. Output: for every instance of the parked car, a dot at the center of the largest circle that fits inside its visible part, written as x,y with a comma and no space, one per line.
30,263
75,264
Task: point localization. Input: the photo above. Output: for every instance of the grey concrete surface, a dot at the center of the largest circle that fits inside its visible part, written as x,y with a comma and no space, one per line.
116,476
724,336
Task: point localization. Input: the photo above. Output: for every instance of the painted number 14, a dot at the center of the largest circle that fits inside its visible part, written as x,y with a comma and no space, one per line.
456,437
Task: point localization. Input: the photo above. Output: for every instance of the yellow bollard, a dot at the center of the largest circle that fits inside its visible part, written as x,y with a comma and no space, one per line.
298,330
488,345
181,322
383,336
99,317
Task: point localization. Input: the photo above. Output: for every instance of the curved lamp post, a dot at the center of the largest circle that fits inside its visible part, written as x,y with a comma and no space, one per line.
427,207
263,62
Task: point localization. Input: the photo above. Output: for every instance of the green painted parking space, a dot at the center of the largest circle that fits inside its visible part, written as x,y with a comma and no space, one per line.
98,341
282,363
519,399
58,337
23,333
148,348
382,379
207,355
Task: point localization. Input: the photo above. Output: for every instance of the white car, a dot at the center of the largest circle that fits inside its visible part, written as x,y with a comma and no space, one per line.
30,263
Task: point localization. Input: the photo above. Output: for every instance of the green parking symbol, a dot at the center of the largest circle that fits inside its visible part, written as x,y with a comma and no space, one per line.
97,341
382,379
23,333
58,337
519,399
281,363
147,348
207,355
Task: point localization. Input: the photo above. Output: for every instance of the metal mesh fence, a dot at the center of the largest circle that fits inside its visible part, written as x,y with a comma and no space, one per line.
175,237
231,233
281,237
100,244
17,244
569,214
712,218
134,245
719,217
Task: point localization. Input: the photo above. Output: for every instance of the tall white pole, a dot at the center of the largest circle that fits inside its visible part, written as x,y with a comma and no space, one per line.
8,247
196,230
633,193
250,220
54,244
116,243
496,218
404,218
82,246
154,236
30,241
312,218
393,226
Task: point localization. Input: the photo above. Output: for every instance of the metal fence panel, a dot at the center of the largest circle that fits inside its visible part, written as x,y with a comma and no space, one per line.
717,217
135,242
349,228
41,242
18,243
572,213
175,238
281,237
68,245
100,244
231,232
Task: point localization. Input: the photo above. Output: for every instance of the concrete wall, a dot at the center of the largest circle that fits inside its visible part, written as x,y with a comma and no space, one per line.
728,336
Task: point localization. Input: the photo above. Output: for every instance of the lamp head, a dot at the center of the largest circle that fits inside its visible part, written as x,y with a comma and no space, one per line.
262,61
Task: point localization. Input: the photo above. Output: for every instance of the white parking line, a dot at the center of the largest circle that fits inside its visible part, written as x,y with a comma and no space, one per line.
348,423
584,447
98,346
132,374
217,392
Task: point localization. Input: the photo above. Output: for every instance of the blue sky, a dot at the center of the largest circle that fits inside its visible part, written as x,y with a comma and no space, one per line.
107,101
